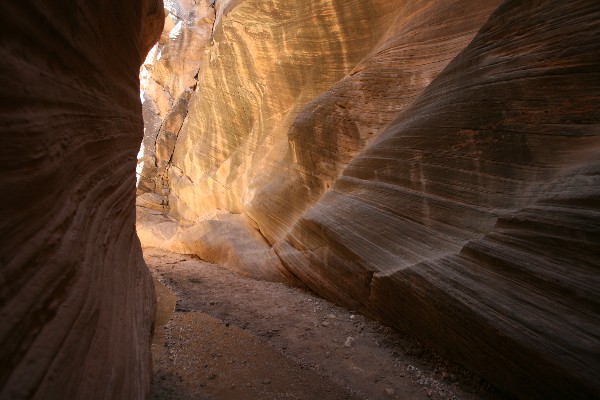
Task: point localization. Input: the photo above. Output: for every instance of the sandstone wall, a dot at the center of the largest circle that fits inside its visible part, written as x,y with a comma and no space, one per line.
168,75
270,125
76,300
431,163
473,219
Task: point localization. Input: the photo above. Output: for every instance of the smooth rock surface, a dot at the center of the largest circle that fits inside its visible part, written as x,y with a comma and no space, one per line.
222,238
76,299
473,219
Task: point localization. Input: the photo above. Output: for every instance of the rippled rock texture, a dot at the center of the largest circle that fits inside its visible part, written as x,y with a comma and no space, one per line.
431,163
76,299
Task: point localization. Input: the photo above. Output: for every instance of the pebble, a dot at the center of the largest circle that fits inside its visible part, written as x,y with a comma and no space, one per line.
390,392
349,341
266,381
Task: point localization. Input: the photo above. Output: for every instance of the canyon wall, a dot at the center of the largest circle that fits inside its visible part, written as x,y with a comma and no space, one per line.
76,300
433,164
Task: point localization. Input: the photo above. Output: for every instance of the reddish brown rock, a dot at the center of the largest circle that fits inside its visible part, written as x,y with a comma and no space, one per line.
473,220
76,299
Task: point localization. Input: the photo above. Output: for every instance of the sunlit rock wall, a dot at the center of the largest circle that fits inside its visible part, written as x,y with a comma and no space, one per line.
76,300
431,163
266,61
168,76
254,141
328,131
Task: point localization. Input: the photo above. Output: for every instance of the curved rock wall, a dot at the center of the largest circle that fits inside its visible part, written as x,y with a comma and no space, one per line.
332,128
473,219
431,163
76,300
270,124
265,62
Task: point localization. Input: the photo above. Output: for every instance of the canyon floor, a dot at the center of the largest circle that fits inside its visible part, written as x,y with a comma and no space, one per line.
223,336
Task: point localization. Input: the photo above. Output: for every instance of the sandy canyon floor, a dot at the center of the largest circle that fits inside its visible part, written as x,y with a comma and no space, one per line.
223,336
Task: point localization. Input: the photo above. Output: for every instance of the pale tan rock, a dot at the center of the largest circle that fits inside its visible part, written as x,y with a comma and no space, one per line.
172,66
159,94
169,131
329,131
152,201
177,65
146,159
167,78
276,56
170,21
76,299
232,242
156,230
222,238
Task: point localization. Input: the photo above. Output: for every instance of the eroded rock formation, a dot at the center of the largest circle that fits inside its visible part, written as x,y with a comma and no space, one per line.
168,75
431,163
76,300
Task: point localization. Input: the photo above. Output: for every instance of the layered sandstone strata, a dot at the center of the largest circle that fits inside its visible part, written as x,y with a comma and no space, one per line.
76,299
473,218
431,163
287,93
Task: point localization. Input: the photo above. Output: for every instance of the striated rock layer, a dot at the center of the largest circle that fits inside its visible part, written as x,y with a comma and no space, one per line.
431,163
262,135
76,300
474,218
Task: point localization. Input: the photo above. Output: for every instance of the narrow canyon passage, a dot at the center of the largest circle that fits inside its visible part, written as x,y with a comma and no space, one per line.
222,336
432,164
306,168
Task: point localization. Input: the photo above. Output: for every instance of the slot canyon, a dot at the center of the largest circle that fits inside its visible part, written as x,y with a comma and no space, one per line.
331,199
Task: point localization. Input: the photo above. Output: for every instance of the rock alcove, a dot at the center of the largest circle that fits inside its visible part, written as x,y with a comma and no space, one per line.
431,165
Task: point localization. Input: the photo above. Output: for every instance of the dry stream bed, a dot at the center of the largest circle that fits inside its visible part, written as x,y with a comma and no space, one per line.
223,336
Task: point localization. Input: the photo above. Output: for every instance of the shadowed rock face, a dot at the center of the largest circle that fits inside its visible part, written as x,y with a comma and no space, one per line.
76,300
473,218
431,163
